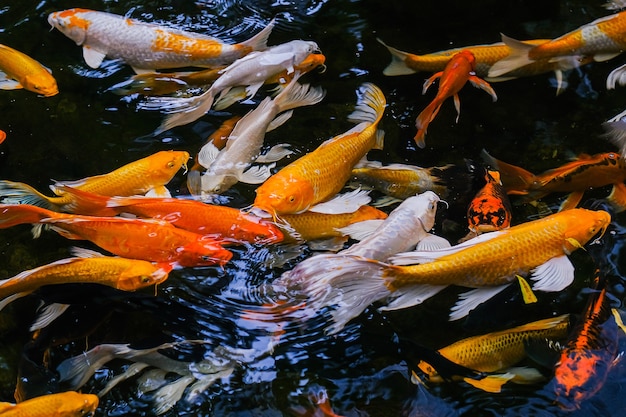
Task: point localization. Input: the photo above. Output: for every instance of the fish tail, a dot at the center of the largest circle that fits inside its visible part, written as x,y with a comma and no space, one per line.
20,193
190,112
398,61
370,106
515,180
615,132
423,120
84,202
259,41
298,95
15,214
517,58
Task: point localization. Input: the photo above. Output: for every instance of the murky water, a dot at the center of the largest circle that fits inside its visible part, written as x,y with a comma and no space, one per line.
286,367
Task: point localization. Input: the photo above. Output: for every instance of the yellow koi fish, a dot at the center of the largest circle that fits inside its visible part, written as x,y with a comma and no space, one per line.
146,46
18,70
63,404
147,174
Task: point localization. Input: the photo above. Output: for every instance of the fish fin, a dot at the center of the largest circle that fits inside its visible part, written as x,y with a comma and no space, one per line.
208,154
19,193
515,180
430,80
617,197
65,233
517,58
279,120
259,41
140,71
370,105
527,293
47,315
618,319
605,56
483,85
572,200
130,372
204,382
471,299
151,380
194,182
379,142
361,230
160,191
85,253
615,77
432,243
298,95
10,84
231,97
252,89
553,275
525,375
386,201
92,57
409,296
276,153
256,174
181,111
615,132
560,85
8,300
343,203
457,106
168,395
397,66
332,244
423,120
490,383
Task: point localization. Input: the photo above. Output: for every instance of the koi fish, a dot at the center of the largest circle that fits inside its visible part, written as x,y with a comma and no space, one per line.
251,71
243,148
319,175
62,404
601,40
222,222
487,263
18,70
139,177
490,209
149,240
586,172
498,352
120,273
146,46
3,136
457,72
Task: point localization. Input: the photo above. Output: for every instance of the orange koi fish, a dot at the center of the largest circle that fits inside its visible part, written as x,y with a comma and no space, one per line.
18,70
120,273
139,177
319,175
223,222
487,263
490,209
458,71
149,240
146,46
589,355
584,173
601,40
3,136
63,404
498,352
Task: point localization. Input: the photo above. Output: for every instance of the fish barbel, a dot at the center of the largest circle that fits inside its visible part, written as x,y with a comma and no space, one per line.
147,46
18,70
63,404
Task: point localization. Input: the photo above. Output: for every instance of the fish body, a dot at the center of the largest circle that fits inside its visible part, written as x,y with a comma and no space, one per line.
457,72
137,177
321,174
18,70
131,238
490,209
600,40
146,46
63,404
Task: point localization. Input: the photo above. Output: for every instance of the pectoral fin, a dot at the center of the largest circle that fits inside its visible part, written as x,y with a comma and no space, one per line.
7,83
361,230
471,299
92,57
256,174
47,315
554,275
208,153
617,76
343,203
409,296
432,242
276,153
483,85
527,293
491,383
572,200
160,191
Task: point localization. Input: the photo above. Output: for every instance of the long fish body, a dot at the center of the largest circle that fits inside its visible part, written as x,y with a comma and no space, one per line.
135,178
22,71
146,46
319,175
63,404
601,40
487,263
245,143
132,238
498,351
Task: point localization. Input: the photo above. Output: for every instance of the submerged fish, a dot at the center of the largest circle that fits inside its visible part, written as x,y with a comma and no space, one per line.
62,404
490,209
138,177
498,352
319,175
18,70
147,46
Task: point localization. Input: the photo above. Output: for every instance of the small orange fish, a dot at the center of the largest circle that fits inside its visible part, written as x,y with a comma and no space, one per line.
138,177
3,136
64,404
18,70
458,71
149,240
490,209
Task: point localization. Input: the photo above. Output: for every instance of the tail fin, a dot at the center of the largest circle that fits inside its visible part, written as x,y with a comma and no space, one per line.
615,129
517,58
259,41
298,95
398,62
369,110
20,193
515,180
87,203
423,120
15,214
181,111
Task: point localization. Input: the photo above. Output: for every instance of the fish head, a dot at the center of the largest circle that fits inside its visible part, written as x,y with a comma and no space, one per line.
72,23
284,195
311,62
75,404
424,206
583,225
216,184
163,165
206,251
578,377
142,274
429,371
42,83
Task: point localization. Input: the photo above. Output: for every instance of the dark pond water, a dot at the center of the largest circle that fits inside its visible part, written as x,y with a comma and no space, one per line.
86,130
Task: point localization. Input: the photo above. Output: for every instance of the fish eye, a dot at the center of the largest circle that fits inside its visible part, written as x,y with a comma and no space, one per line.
292,198
170,164
205,258
145,279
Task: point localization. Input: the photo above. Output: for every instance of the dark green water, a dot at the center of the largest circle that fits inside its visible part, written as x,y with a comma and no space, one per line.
86,130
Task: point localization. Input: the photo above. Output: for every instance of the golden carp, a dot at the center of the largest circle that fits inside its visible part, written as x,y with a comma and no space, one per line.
18,70
63,404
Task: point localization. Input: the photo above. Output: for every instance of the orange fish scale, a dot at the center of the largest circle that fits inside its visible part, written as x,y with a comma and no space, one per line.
172,42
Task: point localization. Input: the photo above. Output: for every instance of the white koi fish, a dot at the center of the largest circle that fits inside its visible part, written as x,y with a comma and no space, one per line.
147,46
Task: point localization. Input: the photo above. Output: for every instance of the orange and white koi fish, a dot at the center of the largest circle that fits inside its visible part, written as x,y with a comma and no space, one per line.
243,148
149,174
149,240
18,70
119,273
490,209
146,46
251,71
319,175
498,352
601,40
63,404
487,263
576,177
457,72
221,222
